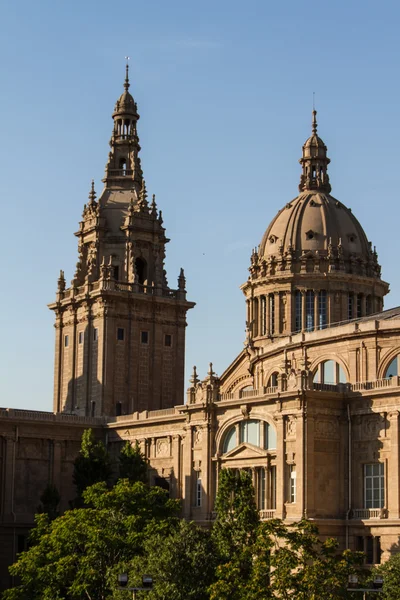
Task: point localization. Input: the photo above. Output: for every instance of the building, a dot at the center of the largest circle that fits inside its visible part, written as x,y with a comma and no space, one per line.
310,405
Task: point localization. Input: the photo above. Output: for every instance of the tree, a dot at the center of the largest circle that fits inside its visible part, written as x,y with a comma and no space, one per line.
75,556
49,501
132,463
302,566
92,465
390,570
182,563
258,561
237,515
234,535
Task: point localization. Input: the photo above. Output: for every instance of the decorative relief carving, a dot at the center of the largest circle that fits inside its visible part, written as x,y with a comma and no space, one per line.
373,427
291,427
162,447
197,436
327,429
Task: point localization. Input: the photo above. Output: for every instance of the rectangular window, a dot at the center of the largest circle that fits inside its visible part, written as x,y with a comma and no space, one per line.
322,312
273,487
199,490
310,310
250,432
120,334
368,305
116,273
66,340
262,490
95,334
359,305
350,306
263,330
144,337
369,550
168,340
292,483
374,485
271,300
80,337
298,311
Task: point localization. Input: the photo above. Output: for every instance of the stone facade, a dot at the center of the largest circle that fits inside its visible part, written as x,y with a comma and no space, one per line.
310,405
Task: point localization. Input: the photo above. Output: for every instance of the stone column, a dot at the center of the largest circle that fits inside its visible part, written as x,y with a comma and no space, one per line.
280,466
57,464
187,473
392,501
9,456
176,451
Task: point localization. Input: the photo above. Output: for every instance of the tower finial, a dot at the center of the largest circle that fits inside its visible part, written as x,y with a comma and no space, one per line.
314,122
92,193
127,84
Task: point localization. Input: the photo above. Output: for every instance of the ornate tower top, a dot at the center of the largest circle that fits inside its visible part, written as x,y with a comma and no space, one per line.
314,162
123,169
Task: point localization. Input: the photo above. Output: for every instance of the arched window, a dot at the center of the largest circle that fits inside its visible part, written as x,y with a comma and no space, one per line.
251,431
122,164
273,380
141,270
269,437
393,368
230,440
329,372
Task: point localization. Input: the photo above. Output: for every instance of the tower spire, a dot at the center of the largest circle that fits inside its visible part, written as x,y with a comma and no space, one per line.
123,169
314,162
127,84
314,122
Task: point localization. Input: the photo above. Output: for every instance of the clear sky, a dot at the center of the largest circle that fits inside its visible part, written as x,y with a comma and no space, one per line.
224,89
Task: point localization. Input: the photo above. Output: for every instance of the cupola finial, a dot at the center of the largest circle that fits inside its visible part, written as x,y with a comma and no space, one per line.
314,122
127,84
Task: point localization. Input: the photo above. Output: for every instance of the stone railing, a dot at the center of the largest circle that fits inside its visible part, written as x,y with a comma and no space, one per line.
369,513
378,383
263,391
145,414
38,415
267,514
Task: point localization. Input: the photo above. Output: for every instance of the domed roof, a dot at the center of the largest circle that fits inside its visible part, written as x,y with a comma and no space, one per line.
316,225
311,222
126,102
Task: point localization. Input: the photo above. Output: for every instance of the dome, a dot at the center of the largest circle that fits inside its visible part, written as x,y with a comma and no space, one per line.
315,266
316,223
316,226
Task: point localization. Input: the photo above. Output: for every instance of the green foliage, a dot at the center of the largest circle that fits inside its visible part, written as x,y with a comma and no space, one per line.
92,465
72,557
132,463
237,514
234,534
182,563
390,570
303,566
49,501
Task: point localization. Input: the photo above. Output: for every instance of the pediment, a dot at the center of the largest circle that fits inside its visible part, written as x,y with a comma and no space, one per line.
245,450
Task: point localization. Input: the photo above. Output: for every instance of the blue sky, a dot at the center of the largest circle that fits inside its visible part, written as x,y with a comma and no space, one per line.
224,90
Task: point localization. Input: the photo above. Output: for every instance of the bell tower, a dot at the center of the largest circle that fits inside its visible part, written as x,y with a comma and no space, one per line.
120,328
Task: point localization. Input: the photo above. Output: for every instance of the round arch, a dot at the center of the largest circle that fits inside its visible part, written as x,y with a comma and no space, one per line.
223,430
385,362
271,372
240,383
325,358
